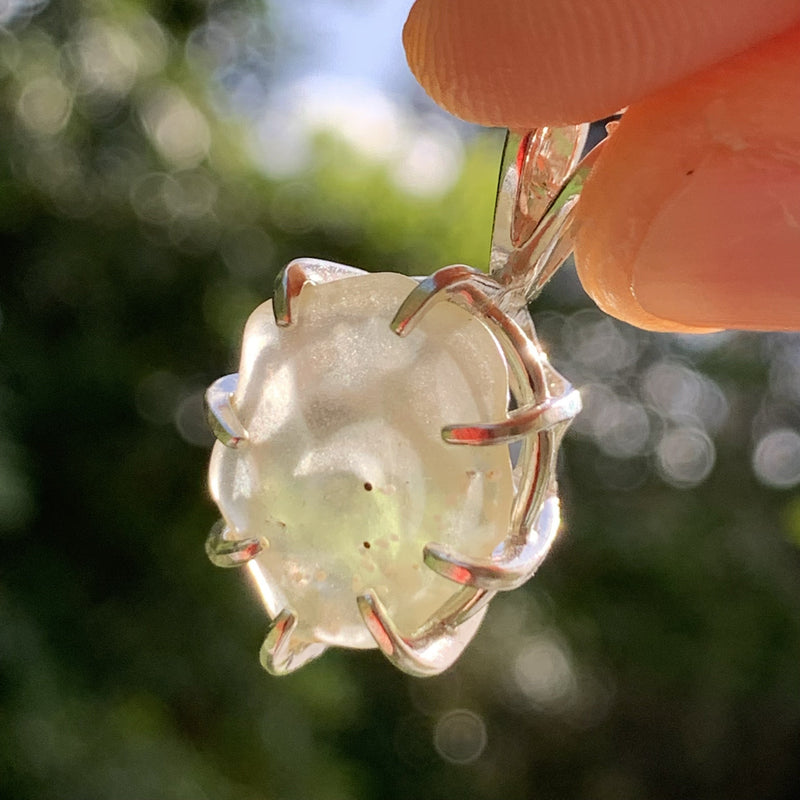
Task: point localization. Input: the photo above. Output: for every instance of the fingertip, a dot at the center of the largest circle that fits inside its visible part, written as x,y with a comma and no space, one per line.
736,263
524,63
691,219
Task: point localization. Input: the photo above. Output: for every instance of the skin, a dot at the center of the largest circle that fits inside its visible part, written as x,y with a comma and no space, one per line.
691,218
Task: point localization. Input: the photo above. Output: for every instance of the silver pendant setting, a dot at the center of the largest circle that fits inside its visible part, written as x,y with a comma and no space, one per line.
365,515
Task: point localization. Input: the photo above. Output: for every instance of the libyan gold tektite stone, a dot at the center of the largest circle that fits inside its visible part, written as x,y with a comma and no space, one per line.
344,470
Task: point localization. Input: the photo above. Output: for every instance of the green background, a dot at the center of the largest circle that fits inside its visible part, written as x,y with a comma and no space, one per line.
656,653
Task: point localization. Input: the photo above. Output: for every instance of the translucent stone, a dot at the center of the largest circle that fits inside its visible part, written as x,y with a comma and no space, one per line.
344,470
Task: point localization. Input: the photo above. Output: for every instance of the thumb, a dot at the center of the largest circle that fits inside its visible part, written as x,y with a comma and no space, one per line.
691,218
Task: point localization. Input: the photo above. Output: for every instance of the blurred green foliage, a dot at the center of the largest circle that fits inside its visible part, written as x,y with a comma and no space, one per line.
654,656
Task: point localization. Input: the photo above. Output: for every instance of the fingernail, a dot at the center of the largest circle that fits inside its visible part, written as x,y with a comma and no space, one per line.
724,250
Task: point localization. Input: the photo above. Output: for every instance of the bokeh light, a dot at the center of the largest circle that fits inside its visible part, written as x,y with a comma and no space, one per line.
685,456
543,674
776,458
460,736
177,128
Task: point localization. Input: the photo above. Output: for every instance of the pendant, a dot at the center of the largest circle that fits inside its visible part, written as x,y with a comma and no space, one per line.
386,454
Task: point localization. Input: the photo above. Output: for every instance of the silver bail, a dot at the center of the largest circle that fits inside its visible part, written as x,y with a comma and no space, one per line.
541,178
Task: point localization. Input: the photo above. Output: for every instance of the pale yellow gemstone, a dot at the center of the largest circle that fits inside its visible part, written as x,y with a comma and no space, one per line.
345,471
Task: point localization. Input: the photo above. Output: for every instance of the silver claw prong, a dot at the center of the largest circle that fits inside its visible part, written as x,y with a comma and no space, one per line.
429,291
288,285
400,651
510,566
280,652
437,644
485,299
520,423
295,275
221,416
223,551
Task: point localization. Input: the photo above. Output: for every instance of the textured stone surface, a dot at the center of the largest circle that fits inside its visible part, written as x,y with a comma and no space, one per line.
345,472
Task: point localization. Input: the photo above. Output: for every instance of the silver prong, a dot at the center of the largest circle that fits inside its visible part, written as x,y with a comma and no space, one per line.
288,285
435,645
508,568
280,654
520,422
226,552
399,650
221,416
430,290
295,275
486,300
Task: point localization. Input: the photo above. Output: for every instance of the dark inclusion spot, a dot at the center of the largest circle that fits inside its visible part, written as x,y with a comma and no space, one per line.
367,545
368,486
690,172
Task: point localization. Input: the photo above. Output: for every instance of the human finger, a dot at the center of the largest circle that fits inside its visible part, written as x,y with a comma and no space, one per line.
691,218
525,63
